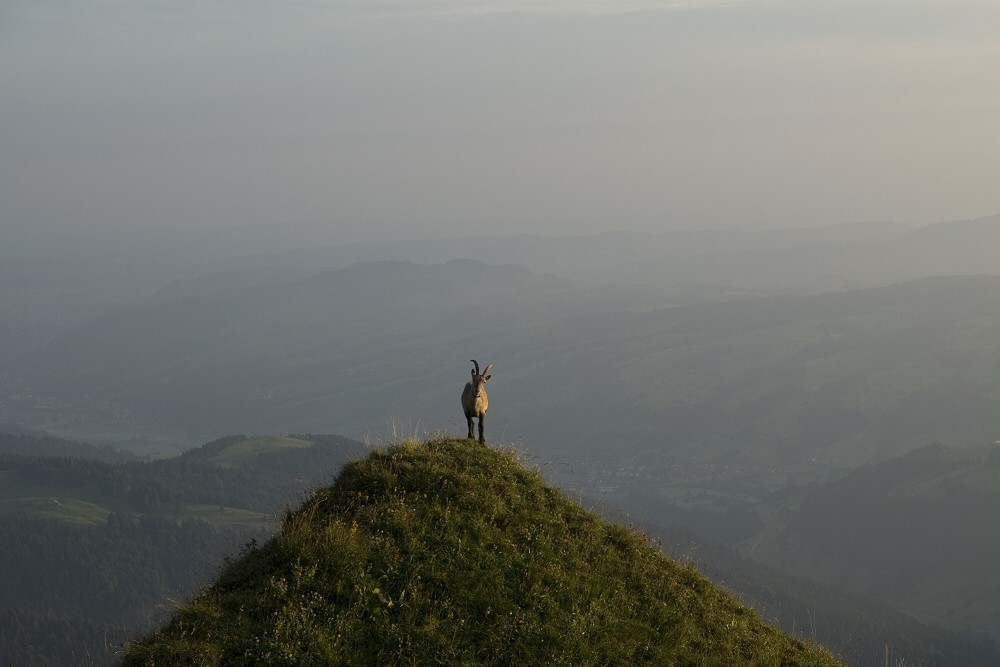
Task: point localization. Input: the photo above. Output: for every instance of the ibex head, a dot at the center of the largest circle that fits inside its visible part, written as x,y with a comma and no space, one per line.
479,379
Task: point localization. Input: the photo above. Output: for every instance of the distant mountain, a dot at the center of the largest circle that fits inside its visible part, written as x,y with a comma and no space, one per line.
452,553
709,259
298,354
42,296
810,382
929,517
47,290
946,249
800,261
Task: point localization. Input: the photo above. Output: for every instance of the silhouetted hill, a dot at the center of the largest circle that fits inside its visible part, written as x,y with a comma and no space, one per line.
452,553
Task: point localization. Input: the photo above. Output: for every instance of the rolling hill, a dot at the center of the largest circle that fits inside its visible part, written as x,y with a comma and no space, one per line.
451,553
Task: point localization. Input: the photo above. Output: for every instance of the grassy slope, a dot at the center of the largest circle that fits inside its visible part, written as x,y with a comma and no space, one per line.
451,553
239,452
72,510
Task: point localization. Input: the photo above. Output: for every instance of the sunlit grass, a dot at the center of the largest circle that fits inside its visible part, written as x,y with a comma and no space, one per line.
232,517
71,510
255,446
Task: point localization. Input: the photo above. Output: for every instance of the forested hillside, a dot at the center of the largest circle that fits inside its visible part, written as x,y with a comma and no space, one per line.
930,516
93,552
858,629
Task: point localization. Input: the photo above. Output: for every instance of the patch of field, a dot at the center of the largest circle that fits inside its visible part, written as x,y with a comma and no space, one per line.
256,446
71,510
232,517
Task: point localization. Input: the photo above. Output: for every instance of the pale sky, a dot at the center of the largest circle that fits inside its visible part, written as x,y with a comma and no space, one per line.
492,117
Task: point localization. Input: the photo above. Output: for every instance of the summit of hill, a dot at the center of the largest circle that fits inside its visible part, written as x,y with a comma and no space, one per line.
448,552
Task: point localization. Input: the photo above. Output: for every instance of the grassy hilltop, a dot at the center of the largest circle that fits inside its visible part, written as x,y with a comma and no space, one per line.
448,552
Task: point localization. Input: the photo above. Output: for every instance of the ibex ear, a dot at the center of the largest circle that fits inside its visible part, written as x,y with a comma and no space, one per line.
487,378
473,371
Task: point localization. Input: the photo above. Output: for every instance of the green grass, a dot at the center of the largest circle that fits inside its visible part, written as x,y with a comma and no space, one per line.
24,497
253,446
452,553
232,517
72,510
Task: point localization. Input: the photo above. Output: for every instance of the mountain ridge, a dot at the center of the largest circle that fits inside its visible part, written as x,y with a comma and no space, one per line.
929,515
314,354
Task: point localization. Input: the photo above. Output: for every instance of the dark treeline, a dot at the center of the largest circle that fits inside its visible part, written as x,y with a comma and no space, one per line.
29,637
44,445
81,590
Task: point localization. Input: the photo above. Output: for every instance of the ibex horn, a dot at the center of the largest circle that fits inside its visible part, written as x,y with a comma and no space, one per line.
477,365
487,369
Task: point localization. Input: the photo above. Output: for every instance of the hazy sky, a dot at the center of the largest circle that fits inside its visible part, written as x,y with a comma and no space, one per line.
486,116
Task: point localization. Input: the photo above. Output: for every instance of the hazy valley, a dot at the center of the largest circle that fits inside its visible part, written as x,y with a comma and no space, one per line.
772,393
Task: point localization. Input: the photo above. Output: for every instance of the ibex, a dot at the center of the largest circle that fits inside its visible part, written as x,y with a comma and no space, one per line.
474,399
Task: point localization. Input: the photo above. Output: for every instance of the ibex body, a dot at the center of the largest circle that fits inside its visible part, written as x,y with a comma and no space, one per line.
475,400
